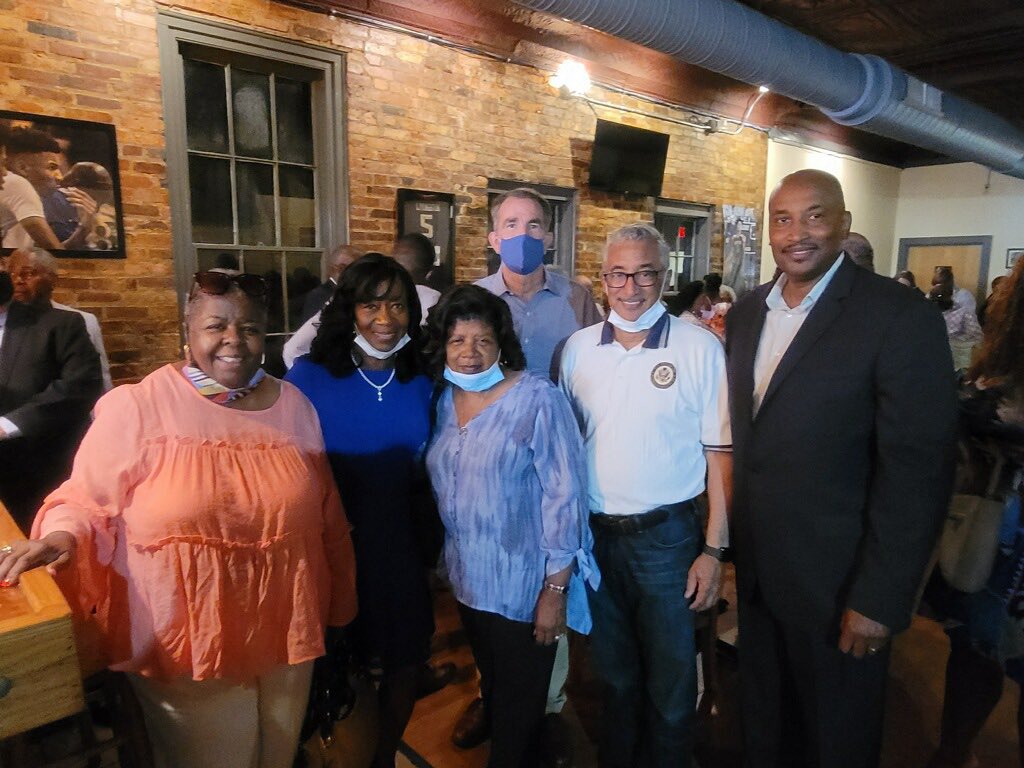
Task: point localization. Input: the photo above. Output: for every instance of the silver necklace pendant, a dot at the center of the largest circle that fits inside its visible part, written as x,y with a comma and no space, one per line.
378,387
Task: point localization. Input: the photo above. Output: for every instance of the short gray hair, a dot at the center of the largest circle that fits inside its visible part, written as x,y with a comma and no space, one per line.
641,232
40,257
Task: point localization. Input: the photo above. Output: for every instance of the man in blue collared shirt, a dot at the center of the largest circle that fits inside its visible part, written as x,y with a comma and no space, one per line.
547,307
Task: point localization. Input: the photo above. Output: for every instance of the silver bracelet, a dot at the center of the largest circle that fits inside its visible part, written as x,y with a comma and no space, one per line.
555,588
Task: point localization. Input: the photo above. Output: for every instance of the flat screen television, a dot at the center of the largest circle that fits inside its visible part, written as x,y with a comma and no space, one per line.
627,159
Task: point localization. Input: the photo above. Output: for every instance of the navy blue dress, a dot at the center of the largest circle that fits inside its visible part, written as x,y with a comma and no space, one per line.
374,448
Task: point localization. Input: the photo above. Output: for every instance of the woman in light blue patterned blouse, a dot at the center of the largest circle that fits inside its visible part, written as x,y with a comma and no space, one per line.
508,471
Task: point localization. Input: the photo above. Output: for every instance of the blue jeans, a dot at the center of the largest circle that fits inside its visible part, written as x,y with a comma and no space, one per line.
642,643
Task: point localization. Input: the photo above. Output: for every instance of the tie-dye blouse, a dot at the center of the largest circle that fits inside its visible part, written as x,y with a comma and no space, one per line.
511,489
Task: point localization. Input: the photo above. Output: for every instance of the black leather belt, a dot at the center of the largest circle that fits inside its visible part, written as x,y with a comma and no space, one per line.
625,525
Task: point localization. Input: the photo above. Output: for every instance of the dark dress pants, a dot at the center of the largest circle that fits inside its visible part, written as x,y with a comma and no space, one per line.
514,677
805,704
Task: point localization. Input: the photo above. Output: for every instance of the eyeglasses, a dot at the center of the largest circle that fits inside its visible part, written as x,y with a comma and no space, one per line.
645,278
219,283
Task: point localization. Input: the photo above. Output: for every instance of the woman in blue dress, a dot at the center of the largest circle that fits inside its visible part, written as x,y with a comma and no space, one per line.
507,466
364,377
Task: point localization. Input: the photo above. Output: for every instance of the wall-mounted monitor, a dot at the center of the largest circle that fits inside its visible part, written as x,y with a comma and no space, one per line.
627,159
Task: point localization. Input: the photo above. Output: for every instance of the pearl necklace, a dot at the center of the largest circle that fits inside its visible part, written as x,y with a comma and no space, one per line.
378,387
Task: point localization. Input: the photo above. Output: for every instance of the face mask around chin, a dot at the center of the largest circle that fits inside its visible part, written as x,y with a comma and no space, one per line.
370,350
475,382
645,322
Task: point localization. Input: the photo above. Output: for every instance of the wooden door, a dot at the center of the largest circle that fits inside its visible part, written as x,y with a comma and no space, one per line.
969,261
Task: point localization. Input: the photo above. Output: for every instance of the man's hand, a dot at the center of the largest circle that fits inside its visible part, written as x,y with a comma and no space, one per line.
704,579
861,635
83,203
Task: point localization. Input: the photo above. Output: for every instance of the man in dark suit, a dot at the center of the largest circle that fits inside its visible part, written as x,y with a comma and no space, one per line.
843,415
337,263
49,380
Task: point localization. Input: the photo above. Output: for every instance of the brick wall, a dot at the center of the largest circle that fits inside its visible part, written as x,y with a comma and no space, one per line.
419,115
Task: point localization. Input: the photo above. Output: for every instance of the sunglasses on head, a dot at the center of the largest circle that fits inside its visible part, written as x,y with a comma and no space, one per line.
219,283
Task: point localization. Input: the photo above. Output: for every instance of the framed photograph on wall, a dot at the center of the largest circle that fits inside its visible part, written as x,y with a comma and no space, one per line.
1012,255
67,169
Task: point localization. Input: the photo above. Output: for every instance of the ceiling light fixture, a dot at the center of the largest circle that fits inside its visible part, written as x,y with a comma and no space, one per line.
571,76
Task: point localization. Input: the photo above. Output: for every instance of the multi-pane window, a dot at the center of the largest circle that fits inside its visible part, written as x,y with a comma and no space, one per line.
253,160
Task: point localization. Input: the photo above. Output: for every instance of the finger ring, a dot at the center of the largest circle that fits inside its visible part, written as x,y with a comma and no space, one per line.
872,650
6,549
559,636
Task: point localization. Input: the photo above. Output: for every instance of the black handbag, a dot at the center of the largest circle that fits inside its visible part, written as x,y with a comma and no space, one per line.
331,695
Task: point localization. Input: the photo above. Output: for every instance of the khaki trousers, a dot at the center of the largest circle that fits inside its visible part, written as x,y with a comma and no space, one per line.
218,724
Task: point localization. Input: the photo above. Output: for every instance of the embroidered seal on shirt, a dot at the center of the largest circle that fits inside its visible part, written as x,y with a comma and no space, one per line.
664,375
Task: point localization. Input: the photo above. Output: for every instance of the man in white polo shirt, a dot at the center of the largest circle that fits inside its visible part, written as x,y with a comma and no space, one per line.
650,393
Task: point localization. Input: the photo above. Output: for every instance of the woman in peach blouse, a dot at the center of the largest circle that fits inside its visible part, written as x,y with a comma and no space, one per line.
208,540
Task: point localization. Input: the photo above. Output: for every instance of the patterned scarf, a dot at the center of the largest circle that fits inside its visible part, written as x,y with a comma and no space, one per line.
217,392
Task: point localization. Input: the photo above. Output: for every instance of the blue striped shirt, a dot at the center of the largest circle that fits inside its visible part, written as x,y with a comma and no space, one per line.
511,490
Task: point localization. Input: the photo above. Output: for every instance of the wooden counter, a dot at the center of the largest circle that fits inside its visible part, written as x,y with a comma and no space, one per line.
38,662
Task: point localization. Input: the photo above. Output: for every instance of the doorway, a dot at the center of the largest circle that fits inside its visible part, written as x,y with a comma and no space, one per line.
968,256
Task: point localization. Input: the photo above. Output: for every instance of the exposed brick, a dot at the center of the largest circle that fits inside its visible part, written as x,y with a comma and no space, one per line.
49,30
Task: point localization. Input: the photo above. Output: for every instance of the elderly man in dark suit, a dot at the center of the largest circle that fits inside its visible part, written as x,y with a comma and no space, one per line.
49,380
843,417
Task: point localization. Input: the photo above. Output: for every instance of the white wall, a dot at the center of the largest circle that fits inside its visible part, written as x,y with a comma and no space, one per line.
958,200
871,192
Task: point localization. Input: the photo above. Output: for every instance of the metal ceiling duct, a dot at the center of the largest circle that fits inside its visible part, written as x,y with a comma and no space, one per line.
863,91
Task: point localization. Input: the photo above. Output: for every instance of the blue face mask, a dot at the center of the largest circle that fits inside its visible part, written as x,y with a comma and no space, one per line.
475,382
522,254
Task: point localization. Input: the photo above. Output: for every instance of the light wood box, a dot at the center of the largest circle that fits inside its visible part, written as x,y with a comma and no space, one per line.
37,649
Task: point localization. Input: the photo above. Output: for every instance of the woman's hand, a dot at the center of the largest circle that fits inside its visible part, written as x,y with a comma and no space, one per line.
549,617
54,550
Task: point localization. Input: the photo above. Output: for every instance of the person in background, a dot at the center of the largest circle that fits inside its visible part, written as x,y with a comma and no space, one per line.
339,260
547,307
649,392
906,277
716,291
587,283
961,325
202,534
415,252
983,307
985,631
682,304
841,373
517,548
365,378
943,276
35,276
49,380
859,249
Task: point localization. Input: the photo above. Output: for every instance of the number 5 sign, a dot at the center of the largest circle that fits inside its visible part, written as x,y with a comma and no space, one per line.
431,214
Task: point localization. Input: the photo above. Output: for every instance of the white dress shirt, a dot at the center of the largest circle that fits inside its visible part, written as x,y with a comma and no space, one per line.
781,325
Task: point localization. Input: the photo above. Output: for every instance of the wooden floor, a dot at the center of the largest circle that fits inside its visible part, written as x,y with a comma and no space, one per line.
912,723
914,705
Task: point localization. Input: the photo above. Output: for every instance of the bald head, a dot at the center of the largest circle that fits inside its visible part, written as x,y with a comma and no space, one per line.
857,247
827,186
807,224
